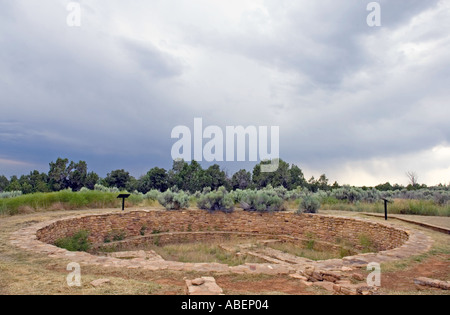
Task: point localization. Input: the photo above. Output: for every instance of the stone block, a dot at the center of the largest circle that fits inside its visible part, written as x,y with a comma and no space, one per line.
329,286
358,277
203,286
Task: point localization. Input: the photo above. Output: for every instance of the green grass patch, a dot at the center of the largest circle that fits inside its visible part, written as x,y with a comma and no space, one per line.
367,244
77,243
63,200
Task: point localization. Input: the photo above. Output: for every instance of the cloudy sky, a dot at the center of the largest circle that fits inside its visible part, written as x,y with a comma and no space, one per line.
361,104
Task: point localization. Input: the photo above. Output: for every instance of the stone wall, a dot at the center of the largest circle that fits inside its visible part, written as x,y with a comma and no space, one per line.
323,228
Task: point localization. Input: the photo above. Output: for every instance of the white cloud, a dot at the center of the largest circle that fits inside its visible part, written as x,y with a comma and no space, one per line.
432,167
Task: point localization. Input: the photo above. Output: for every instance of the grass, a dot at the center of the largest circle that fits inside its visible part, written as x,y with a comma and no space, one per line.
77,243
63,200
202,252
367,244
308,252
399,206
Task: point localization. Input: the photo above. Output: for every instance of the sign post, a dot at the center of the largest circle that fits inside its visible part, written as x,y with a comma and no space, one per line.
385,208
123,197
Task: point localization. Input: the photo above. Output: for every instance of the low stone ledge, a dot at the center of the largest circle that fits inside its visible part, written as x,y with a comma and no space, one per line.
423,283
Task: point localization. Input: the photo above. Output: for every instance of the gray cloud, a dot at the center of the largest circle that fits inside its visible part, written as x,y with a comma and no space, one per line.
112,90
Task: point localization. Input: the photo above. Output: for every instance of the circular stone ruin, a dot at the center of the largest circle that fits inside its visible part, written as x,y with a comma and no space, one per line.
137,228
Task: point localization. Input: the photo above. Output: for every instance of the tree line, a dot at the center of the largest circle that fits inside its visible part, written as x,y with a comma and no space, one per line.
189,177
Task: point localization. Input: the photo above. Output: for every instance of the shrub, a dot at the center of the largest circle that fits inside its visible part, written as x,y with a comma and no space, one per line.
442,198
309,204
281,192
10,194
238,195
79,242
372,195
350,194
217,200
152,195
174,200
102,188
136,197
295,194
262,201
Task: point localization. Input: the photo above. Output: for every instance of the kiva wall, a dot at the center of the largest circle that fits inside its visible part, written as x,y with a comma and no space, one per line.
323,228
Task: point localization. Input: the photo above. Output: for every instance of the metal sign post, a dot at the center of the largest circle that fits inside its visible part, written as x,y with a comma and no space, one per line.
123,197
385,208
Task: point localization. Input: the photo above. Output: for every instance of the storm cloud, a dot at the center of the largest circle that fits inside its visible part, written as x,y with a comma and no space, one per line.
361,104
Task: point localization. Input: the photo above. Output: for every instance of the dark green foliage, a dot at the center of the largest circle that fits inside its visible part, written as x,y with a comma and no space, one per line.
58,174
79,242
189,178
215,178
192,177
132,184
384,187
91,180
34,182
77,175
289,177
156,179
296,178
241,180
118,179
319,184
14,184
4,182
63,175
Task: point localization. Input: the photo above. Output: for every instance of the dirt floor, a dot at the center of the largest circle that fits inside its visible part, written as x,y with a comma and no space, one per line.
28,273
